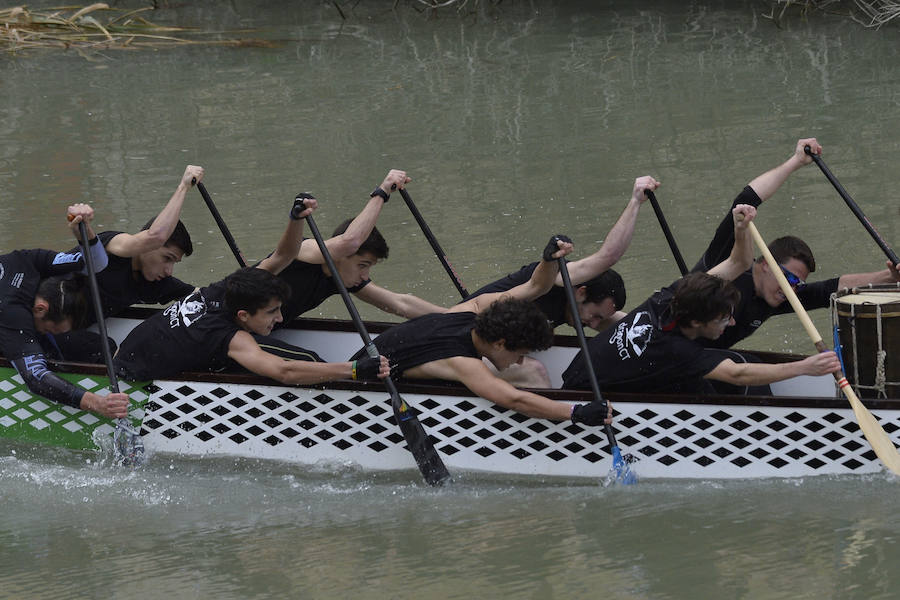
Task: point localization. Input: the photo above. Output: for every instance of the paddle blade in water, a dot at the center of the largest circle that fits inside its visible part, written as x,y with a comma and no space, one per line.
621,471
127,445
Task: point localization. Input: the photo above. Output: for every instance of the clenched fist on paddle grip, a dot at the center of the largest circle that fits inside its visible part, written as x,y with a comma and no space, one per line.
558,246
303,206
594,413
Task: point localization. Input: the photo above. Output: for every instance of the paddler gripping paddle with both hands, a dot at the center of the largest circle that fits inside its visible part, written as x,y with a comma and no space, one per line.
42,293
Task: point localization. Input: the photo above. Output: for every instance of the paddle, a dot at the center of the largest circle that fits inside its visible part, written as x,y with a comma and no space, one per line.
622,469
129,447
873,431
668,232
426,456
853,206
434,245
221,223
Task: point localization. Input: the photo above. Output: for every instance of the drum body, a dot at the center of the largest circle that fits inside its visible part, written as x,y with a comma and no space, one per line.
868,322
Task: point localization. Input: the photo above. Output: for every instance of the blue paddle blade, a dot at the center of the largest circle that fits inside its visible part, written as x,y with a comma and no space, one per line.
621,469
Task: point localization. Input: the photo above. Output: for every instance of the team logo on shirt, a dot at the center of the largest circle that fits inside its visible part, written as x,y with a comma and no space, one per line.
2,271
63,258
631,339
186,311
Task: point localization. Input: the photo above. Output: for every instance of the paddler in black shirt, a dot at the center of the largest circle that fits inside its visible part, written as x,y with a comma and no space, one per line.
657,346
139,271
214,328
761,296
39,297
502,327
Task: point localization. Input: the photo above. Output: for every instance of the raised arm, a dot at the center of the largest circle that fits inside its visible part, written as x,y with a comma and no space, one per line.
616,241
147,240
768,183
741,257
540,283
78,213
347,243
289,244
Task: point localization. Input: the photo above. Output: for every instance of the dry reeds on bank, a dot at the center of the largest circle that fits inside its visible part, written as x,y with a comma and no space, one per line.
80,28
870,13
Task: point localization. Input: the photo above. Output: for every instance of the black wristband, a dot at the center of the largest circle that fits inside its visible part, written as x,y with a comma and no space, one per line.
91,242
380,192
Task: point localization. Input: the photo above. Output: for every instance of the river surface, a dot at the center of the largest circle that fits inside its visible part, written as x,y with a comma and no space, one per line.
516,121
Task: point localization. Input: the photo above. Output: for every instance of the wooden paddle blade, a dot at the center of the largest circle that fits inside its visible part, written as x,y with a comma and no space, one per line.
874,432
427,458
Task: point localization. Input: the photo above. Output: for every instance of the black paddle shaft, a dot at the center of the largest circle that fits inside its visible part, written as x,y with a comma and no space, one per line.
221,223
667,232
582,341
98,308
426,456
438,251
853,206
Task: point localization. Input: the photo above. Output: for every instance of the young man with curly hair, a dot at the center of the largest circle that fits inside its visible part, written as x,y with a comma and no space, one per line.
502,327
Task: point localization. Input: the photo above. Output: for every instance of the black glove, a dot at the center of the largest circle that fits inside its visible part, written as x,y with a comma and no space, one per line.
300,204
590,414
366,368
552,247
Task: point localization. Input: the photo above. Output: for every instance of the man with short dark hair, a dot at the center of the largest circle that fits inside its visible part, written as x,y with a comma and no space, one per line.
657,348
40,298
599,290
214,327
501,327
139,272
356,246
761,296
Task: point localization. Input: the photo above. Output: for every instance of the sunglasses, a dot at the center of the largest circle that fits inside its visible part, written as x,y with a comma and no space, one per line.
793,280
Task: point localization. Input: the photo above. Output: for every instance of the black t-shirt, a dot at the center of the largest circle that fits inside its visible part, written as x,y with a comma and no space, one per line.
121,286
309,288
21,272
425,339
644,353
192,334
752,311
553,303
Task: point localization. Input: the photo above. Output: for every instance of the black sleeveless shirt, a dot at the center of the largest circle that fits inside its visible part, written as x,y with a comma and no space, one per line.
425,339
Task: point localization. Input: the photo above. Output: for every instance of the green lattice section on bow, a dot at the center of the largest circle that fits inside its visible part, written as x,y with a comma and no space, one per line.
28,417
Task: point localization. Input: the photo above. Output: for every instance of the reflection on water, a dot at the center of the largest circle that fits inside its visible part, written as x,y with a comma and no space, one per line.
523,120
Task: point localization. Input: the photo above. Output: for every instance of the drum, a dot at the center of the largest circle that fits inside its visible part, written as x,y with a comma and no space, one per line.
868,323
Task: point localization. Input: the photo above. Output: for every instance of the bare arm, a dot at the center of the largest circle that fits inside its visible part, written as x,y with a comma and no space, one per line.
403,305
473,373
539,284
126,244
617,240
762,374
741,257
347,243
768,183
244,349
289,244
889,275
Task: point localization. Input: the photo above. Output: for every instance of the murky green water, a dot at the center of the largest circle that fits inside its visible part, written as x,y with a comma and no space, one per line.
522,120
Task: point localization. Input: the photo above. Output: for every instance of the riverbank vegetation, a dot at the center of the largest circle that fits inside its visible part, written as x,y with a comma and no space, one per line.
869,13
98,27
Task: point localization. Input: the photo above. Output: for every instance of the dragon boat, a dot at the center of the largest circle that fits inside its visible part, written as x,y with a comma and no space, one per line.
804,428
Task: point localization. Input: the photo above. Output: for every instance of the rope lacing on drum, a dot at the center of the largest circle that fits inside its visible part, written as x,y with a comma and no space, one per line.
881,356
